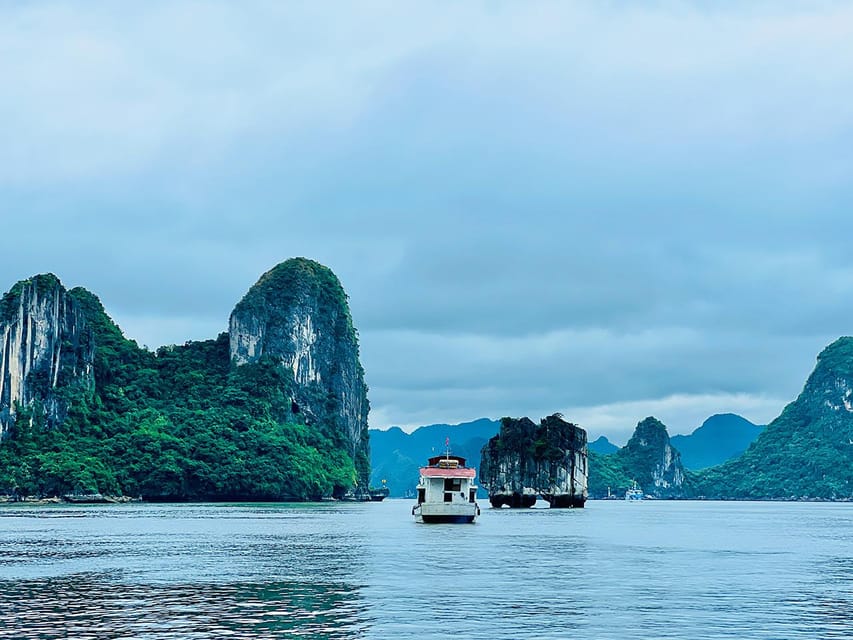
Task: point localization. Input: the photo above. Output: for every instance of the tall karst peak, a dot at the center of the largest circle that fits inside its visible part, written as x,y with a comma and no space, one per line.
828,390
297,315
650,456
650,432
46,345
831,382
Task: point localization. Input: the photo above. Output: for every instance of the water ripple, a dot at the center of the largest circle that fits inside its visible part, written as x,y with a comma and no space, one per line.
96,606
668,570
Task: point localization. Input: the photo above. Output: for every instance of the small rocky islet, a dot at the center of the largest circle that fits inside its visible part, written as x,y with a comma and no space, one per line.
526,460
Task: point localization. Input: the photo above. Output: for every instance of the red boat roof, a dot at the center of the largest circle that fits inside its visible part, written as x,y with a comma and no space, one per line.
437,472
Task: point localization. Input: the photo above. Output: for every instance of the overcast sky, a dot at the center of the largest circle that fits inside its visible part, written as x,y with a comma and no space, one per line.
608,209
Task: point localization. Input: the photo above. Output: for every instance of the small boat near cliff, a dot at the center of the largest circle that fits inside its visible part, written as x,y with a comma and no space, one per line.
378,494
446,491
634,493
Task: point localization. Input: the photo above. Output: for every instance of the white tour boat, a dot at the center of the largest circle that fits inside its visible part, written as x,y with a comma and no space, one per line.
446,491
634,493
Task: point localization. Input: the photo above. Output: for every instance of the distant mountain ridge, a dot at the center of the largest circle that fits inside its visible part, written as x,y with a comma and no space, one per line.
720,438
603,446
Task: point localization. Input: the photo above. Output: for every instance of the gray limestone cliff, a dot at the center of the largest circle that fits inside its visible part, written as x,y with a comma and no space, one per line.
297,315
47,349
526,460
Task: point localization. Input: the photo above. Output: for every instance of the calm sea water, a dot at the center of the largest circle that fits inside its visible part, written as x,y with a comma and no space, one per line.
614,570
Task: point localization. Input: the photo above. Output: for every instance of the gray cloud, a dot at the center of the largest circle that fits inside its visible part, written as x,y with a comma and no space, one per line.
596,209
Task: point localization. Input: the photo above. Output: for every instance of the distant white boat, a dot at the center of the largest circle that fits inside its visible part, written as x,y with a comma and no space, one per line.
635,493
446,491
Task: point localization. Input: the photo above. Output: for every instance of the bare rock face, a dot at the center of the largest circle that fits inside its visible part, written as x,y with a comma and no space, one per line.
47,348
526,460
297,315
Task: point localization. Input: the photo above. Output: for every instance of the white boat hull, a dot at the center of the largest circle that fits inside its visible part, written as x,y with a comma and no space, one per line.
446,512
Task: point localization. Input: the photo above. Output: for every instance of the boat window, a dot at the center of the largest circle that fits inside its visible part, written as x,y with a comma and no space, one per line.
448,497
452,484
472,495
421,496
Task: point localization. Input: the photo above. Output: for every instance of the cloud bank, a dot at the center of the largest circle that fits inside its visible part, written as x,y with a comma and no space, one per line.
605,209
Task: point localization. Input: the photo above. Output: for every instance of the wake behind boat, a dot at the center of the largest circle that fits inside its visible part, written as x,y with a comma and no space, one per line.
446,491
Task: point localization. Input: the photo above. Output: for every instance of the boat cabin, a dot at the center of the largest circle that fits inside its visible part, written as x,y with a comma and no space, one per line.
446,479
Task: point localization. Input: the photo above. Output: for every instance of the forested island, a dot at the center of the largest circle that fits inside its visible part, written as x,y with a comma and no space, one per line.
274,409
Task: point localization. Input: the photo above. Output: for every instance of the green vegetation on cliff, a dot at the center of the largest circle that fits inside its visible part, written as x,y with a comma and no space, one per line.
297,314
288,284
607,475
181,423
807,452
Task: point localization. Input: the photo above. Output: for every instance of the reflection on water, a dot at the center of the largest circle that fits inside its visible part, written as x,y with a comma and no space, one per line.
739,571
94,606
